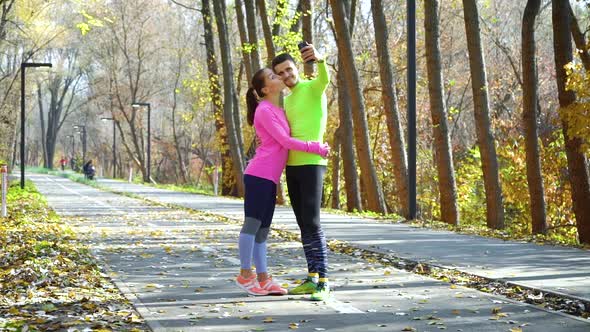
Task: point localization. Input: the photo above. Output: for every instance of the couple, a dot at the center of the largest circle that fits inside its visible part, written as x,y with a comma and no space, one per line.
289,137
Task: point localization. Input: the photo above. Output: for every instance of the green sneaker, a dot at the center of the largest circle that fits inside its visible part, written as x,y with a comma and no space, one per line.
306,287
321,293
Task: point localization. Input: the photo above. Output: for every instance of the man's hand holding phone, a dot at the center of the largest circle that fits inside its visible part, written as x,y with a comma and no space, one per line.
308,53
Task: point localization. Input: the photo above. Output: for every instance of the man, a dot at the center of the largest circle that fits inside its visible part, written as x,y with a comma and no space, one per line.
307,112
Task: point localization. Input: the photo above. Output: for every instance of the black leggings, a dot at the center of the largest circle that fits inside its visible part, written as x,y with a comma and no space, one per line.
305,191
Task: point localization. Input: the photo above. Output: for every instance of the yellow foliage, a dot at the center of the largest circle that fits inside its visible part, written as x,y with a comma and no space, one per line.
577,115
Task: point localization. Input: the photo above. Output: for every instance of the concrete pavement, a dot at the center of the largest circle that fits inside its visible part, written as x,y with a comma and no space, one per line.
553,268
178,269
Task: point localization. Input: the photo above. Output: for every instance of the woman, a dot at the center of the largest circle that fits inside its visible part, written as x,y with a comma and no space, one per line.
262,176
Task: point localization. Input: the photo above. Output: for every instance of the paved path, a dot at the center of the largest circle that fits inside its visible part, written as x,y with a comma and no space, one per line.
558,269
178,269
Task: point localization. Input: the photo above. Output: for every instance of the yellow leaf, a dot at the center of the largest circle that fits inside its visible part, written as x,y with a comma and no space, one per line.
268,320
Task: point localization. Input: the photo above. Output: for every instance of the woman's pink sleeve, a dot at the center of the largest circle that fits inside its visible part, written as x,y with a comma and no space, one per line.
269,121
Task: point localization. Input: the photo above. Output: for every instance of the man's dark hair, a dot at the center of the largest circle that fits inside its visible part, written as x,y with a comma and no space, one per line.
282,58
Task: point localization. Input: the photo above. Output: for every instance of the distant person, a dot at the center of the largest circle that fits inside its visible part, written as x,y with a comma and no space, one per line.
307,112
63,162
89,170
262,176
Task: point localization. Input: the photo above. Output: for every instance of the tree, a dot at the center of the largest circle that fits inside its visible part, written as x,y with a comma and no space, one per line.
244,40
62,89
443,155
180,53
577,163
229,180
344,135
266,29
252,35
579,38
7,6
307,31
390,108
529,112
233,131
485,139
375,199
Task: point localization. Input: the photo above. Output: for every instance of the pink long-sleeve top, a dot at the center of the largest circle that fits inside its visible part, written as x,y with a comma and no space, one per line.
273,130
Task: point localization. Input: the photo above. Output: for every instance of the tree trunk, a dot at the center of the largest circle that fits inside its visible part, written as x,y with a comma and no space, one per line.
180,160
376,201
252,35
577,163
42,123
349,165
282,7
389,98
228,178
270,47
235,148
443,154
485,139
529,113
307,30
296,25
336,168
580,40
243,39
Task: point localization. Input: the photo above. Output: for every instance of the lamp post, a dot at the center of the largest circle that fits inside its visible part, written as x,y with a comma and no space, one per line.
114,145
73,144
23,68
149,141
73,156
82,129
411,75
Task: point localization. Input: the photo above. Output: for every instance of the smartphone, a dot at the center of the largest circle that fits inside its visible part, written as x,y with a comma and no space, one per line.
302,45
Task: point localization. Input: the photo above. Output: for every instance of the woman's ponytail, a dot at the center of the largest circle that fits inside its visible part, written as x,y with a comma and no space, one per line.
254,94
251,104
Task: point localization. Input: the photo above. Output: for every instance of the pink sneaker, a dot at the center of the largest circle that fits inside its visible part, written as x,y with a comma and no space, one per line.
251,285
272,287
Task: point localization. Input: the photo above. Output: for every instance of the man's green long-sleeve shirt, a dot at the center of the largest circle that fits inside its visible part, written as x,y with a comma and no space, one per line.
307,112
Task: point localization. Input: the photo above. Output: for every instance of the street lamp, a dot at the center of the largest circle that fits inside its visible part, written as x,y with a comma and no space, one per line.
149,143
114,145
73,143
411,105
23,67
83,131
73,156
